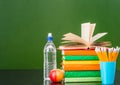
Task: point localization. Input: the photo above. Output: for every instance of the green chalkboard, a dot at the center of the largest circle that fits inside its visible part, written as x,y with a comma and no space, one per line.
24,25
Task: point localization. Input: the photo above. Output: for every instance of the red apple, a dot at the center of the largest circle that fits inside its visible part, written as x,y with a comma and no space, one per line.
56,75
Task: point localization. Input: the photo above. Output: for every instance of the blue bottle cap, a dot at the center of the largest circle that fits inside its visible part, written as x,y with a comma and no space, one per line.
50,38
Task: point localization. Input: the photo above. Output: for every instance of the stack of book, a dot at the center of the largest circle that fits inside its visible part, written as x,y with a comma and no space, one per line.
79,59
80,65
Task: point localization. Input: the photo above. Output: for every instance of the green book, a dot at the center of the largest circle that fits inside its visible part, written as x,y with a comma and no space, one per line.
83,79
76,74
83,83
80,58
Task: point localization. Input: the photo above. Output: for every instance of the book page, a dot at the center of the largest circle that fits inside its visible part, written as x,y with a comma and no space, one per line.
85,31
97,36
92,30
73,38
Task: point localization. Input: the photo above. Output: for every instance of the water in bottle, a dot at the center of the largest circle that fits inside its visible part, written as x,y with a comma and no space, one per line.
49,56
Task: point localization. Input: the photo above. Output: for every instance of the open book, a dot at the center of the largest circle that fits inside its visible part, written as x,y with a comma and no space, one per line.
86,40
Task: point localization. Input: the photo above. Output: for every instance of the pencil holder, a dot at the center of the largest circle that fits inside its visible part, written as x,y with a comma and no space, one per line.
108,70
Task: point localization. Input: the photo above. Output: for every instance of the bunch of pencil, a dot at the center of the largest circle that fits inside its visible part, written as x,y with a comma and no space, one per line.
107,54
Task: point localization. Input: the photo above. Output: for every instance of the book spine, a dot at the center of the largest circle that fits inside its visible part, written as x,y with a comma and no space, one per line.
78,67
72,58
81,62
83,79
78,52
83,83
76,74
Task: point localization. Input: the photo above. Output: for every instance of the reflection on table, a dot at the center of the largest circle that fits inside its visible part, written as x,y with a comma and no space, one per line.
47,82
117,82
96,83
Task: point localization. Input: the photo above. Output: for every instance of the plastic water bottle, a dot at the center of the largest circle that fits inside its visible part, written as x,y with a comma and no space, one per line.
49,56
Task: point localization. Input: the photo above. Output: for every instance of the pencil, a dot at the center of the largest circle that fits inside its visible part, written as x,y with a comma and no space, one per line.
116,54
99,53
110,54
104,53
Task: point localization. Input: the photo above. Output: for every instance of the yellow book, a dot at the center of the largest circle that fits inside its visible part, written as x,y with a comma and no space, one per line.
81,62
